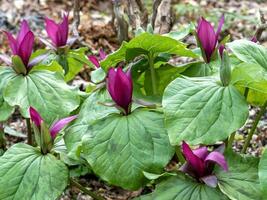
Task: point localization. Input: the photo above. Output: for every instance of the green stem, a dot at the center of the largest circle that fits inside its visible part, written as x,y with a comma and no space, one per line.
153,73
86,191
29,131
179,154
231,140
254,126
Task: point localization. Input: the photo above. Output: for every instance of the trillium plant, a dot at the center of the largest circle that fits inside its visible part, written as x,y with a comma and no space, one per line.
144,124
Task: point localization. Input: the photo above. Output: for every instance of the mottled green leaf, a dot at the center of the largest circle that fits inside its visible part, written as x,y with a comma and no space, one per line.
263,172
249,52
119,148
241,182
182,187
45,91
253,77
26,174
200,111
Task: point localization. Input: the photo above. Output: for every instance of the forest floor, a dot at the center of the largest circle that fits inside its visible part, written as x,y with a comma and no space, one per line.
98,31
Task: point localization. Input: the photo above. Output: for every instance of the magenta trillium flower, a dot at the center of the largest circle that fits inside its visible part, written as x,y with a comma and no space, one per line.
22,46
254,39
56,127
58,33
96,60
200,164
120,88
207,37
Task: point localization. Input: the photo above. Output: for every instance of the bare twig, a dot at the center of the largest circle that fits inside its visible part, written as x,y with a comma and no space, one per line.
76,17
137,14
121,22
262,27
156,4
164,20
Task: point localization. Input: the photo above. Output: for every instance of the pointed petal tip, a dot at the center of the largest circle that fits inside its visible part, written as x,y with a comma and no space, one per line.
60,124
35,116
94,61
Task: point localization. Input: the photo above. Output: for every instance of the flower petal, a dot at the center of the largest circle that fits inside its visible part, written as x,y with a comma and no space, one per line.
35,117
254,39
210,180
217,158
24,29
25,48
12,42
94,60
221,22
207,37
201,152
102,54
120,87
52,30
63,30
57,126
196,163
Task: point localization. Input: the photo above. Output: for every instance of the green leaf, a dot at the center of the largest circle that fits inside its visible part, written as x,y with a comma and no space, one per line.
74,134
18,65
254,77
74,68
164,75
200,69
45,91
98,75
200,111
145,44
241,182
27,174
50,65
120,148
6,73
182,187
80,55
263,172
5,109
249,52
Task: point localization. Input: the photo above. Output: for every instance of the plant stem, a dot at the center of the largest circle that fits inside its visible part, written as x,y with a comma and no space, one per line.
153,73
2,138
179,154
254,126
231,140
86,191
29,131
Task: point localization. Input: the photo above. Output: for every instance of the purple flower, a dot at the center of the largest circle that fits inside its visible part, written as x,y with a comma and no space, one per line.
207,37
56,127
95,60
120,88
58,33
35,117
200,164
254,39
22,46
